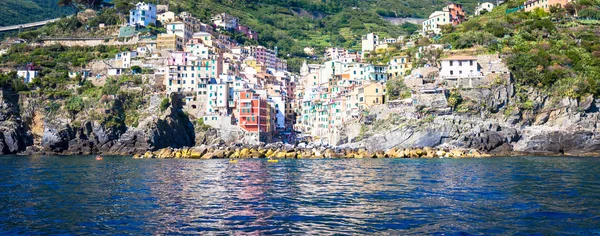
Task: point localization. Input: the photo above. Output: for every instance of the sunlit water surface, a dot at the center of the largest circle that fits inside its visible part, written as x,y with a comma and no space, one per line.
120,195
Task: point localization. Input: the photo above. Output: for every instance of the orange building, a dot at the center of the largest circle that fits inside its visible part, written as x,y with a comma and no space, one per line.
253,113
457,14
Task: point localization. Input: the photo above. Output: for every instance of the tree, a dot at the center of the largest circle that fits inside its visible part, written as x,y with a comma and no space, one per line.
74,105
164,104
80,4
454,99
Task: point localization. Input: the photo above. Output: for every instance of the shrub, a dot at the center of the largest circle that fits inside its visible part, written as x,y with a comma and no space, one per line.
164,104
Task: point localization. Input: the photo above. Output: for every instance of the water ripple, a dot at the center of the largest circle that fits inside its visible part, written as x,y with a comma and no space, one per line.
78,195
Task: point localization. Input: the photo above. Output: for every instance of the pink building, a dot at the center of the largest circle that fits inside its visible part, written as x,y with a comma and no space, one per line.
251,34
544,4
266,56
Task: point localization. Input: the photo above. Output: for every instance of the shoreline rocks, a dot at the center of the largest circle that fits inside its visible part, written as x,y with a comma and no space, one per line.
282,151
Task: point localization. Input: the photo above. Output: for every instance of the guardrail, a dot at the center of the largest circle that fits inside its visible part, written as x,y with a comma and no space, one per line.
28,25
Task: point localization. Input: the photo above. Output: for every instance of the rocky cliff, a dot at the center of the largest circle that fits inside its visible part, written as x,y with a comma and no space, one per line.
14,136
87,133
498,121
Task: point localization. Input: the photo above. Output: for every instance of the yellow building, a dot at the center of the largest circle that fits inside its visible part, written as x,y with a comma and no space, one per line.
169,42
399,66
371,94
206,38
251,62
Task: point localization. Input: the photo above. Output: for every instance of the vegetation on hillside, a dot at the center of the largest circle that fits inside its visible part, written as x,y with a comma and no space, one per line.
553,51
14,12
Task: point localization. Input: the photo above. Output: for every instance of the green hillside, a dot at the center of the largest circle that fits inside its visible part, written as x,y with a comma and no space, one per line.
14,12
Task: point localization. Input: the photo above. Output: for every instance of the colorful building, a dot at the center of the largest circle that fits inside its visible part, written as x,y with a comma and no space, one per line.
399,66
544,4
169,42
253,113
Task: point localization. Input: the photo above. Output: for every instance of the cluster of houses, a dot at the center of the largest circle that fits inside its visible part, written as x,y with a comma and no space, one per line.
338,91
249,87
454,13
331,95
225,84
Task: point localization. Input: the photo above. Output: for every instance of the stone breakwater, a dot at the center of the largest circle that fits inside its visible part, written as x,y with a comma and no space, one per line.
293,152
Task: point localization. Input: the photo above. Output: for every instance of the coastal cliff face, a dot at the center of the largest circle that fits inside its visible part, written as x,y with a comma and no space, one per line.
496,122
491,120
85,133
14,136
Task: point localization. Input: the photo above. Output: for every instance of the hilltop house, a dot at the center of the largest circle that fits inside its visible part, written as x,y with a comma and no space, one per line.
459,67
451,14
143,14
487,6
226,21
544,4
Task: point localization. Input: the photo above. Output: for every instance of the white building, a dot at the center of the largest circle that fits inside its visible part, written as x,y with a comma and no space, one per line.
279,105
484,6
218,97
198,49
180,29
435,22
369,43
166,17
123,59
143,14
115,71
226,21
459,66
27,75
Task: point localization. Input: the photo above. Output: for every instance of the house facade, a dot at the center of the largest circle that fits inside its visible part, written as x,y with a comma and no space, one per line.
169,42
451,14
399,66
459,67
487,6
143,14
181,29
226,21
544,4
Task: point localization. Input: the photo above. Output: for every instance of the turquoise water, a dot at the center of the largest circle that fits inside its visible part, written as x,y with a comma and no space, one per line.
120,195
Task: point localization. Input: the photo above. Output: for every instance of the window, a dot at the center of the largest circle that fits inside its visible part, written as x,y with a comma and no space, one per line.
471,63
460,72
451,63
376,90
460,63
451,72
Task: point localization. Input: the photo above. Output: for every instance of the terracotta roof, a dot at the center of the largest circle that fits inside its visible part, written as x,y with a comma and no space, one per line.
462,57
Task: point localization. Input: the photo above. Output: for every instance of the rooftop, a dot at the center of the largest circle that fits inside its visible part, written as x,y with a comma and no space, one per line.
459,57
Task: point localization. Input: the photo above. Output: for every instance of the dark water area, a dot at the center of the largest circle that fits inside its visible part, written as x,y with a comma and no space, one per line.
119,195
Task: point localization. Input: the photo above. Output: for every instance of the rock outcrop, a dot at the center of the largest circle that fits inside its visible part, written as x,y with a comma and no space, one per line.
14,137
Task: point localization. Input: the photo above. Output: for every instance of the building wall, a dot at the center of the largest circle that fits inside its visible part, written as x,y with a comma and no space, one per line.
374,94
459,68
435,21
484,6
169,42
166,17
181,29
398,66
143,14
27,75
544,4
369,42
218,95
